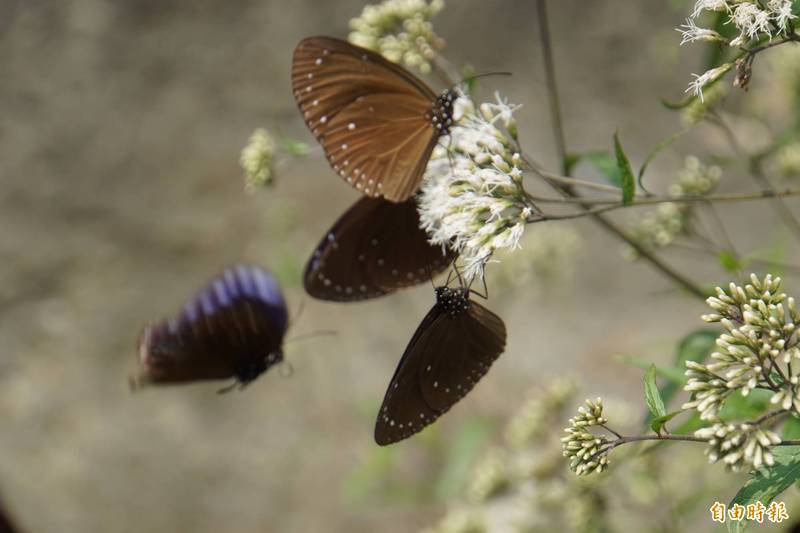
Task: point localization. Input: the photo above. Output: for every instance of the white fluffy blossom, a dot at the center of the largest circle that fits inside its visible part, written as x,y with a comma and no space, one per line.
472,198
754,21
751,21
706,78
691,32
781,12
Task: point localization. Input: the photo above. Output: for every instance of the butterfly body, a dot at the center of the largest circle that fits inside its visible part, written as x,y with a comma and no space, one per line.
233,328
453,347
377,123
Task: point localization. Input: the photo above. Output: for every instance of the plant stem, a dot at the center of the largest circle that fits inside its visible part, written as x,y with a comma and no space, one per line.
685,438
552,89
653,200
558,130
565,180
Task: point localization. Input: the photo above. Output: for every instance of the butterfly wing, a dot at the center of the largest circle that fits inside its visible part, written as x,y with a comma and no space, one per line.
446,357
234,327
375,248
371,116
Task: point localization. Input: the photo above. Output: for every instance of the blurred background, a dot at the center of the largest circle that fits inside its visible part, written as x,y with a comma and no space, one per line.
121,125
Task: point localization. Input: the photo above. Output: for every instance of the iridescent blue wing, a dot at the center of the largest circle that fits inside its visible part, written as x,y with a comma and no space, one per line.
233,327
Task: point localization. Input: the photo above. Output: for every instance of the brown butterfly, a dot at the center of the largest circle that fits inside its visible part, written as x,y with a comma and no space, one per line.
377,123
453,347
375,248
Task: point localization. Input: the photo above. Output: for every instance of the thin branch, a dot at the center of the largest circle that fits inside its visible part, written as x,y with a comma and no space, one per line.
558,129
565,180
611,431
552,89
611,205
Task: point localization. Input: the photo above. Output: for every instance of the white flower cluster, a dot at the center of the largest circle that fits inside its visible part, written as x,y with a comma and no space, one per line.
585,450
760,324
756,351
739,446
472,198
400,30
658,228
753,19
257,159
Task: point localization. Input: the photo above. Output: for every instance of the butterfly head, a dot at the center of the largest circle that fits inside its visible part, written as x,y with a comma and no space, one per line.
441,113
452,301
247,371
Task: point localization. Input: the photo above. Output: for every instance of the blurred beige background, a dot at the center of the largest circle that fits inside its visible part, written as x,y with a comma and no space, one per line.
121,124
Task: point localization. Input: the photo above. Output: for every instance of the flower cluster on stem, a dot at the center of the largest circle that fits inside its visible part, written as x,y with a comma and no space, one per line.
755,21
756,351
399,30
659,227
739,445
472,198
257,159
584,449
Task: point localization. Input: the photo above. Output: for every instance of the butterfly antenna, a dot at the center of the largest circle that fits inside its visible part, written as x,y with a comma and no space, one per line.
430,276
485,294
313,335
483,261
449,276
458,273
481,75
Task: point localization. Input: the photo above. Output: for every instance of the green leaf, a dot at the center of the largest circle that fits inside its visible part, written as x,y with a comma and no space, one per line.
696,346
680,104
738,407
606,164
766,483
628,183
729,261
715,53
657,424
570,160
651,394
692,424
791,428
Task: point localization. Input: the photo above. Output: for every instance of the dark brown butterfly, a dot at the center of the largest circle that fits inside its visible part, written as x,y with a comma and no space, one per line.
233,328
376,122
453,347
375,248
